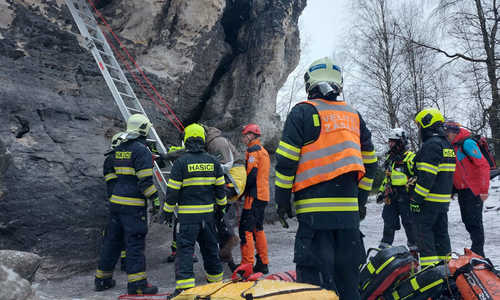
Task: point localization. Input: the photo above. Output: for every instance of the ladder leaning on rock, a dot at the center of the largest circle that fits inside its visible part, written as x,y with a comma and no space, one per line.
117,82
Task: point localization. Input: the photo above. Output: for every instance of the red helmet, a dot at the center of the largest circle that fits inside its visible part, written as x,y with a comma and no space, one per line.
251,128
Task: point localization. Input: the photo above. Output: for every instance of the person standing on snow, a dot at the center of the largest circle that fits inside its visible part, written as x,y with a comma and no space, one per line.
132,163
471,181
227,155
196,186
322,157
430,199
256,199
394,191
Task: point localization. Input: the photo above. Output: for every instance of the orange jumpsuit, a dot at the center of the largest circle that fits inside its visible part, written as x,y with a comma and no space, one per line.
256,199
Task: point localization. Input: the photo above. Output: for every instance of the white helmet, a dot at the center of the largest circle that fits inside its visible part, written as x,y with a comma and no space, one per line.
138,124
324,74
398,134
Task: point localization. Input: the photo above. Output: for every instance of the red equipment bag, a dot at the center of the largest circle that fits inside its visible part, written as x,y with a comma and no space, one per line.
165,296
475,277
290,276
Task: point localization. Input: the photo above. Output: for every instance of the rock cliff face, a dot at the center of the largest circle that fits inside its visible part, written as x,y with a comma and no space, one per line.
216,61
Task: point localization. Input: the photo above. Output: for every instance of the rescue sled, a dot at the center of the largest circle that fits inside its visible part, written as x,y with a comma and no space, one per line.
260,289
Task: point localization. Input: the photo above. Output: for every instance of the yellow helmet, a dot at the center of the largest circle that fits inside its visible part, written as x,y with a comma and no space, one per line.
138,123
194,130
117,139
429,116
323,70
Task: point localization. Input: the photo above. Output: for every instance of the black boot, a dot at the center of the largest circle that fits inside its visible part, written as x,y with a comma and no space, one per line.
104,284
175,293
171,257
260,266
232,266
146,289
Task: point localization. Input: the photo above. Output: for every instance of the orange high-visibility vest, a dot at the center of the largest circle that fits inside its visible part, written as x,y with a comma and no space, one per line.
337,149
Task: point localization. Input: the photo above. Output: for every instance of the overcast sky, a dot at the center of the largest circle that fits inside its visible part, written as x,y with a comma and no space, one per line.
322,25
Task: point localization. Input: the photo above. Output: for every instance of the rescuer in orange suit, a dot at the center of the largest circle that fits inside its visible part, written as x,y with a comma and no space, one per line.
326,158
256,197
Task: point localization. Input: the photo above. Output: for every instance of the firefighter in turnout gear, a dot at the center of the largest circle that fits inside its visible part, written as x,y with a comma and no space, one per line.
430,199
132,164
196,186
256,199
394,191
324,156
110,178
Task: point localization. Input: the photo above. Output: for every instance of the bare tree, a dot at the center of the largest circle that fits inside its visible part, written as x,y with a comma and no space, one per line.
292,91
473,26
377,66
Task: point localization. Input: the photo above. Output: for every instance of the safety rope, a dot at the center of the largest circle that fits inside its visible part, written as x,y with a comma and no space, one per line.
175,121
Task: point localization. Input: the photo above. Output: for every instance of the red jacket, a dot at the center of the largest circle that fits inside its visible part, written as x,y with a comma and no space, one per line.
473,170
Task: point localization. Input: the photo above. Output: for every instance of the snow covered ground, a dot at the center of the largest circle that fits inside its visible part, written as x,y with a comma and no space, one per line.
280,243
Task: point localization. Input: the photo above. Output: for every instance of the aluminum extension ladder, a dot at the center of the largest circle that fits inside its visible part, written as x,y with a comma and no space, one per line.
113,74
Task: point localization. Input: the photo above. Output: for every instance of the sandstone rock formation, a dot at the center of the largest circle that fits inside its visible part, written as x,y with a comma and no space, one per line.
215,61
25,264
13,287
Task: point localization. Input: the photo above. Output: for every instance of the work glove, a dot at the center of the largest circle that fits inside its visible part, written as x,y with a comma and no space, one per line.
284,210
220,211
380,197
164,218
415,206
155,208
362,212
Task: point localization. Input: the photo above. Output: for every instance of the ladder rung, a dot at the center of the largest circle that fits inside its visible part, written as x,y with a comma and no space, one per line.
105,53
126,95
118,80
134,109
98,40
84,14
111,67
94,27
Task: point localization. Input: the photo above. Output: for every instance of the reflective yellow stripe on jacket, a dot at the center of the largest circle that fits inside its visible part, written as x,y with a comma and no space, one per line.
194,181
365,184
284,181
127,201
144,173
288,151
195,209
110,176
124,171
326,205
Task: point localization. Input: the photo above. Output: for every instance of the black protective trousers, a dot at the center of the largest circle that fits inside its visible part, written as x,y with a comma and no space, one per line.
203,233
127,225
433,239
329,258
471,210
391,214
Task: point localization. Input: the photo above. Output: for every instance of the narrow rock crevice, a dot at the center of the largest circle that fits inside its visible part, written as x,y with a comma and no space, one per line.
25,127
236,14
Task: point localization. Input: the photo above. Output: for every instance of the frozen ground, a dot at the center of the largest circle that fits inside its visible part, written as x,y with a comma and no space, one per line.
280,243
